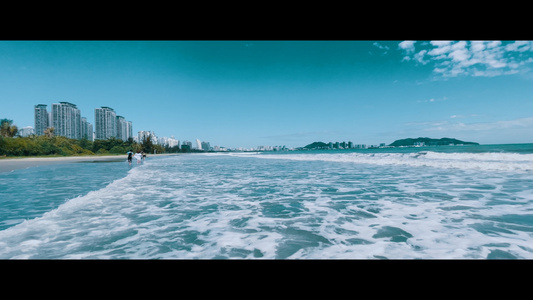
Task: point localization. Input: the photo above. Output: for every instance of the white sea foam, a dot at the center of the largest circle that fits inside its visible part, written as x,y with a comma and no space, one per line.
467,161
229,206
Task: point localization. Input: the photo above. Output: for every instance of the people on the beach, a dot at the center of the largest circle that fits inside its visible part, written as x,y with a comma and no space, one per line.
130,156
138,156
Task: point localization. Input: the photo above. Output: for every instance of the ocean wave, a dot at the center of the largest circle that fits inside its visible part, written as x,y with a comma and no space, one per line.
206,207
490,161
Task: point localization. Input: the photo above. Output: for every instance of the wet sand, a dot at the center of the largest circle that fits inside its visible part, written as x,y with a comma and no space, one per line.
11,164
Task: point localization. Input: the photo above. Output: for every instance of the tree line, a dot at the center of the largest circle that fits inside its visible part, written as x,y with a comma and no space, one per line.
13,145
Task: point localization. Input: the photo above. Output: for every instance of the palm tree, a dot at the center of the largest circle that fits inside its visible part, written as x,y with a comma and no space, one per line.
49,132
7,129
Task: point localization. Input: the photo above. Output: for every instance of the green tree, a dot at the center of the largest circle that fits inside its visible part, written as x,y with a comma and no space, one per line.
147,145
7,129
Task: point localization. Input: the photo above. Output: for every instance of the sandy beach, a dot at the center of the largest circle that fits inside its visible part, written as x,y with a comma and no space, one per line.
11,164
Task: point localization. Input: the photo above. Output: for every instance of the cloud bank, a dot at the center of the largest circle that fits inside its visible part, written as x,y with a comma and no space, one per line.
470,58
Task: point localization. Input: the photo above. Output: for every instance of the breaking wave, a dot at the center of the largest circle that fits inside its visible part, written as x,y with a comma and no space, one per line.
489,161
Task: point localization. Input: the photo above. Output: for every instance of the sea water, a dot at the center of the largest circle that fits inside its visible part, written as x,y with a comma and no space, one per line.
446,202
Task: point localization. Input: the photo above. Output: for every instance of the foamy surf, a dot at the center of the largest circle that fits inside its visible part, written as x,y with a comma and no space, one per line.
508,162
297,207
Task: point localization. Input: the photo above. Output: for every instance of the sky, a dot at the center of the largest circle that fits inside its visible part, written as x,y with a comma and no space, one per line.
240,93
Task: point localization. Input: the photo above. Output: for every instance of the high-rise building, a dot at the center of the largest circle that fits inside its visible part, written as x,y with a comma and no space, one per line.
105,122
143,135
124,128
66,120
129,130
86,129
206,146
186,145
41,119
121,128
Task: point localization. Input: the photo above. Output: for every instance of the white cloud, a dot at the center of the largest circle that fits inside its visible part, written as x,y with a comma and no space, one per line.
382,47
519,46
408,46
475,58
432,100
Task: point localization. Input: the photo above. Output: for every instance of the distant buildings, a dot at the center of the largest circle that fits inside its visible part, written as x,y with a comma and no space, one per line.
26,131
67,121
124,128
108,124
86,129
105,123
170,142
198,144
144,135
65,118
186,145
41,119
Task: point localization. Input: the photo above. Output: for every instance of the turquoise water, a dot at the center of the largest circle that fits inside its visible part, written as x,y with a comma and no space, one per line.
459,202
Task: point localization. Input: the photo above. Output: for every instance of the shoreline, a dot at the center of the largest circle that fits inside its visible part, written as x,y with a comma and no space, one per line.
12,164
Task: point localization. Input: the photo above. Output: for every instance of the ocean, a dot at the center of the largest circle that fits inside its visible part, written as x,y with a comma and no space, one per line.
445,202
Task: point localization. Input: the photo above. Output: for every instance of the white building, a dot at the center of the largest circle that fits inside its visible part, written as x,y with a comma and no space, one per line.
142,135
66,120
105,122
86,129
26,131
41,119
170,142
124,129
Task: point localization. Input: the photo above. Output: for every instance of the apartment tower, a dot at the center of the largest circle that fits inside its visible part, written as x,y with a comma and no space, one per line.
41,119
105,123
66,120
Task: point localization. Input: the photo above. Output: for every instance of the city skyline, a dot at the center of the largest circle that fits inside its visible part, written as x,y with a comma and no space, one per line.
250,93
71,124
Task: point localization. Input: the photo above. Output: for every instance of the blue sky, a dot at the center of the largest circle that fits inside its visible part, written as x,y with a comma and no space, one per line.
292,93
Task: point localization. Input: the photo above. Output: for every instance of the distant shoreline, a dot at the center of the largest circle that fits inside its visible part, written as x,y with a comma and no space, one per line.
11,164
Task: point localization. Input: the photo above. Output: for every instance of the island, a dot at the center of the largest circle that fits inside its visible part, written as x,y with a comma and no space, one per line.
424,141
316,145
409,142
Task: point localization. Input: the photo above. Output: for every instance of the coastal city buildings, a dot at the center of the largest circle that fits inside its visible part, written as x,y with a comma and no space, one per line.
105,123
198,144
26,131
66,120
170,142
124,128
86,129
108,124
145,135
41,119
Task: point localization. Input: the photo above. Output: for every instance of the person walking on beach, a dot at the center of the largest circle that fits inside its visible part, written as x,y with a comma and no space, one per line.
138,156
130,156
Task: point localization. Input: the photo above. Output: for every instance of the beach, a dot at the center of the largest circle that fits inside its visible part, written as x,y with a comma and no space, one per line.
11,164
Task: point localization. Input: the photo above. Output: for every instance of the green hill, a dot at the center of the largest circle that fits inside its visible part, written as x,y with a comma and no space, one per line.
316,145
430,142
